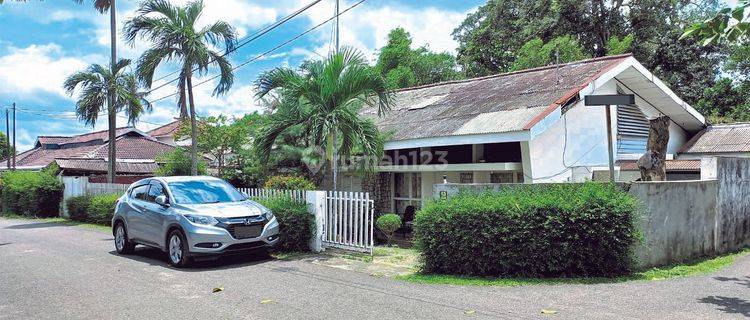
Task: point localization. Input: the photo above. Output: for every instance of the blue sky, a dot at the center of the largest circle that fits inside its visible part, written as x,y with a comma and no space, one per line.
43,42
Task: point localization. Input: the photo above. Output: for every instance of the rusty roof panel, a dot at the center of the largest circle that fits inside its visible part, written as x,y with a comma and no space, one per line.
485,105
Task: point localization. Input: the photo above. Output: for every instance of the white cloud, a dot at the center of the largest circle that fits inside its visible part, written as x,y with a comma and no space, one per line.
38,68
366,27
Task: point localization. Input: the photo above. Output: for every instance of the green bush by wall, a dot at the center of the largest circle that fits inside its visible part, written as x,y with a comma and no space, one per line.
31,193
289,183
296,225
97,209
78,208
562,230
102,208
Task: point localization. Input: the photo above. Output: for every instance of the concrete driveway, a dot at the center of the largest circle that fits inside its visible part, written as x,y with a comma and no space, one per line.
49,271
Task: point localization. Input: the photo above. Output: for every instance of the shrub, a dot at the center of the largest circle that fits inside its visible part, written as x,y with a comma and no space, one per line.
388,223
102,208
531,231
296,225
78,208
177,163
289,183
31,193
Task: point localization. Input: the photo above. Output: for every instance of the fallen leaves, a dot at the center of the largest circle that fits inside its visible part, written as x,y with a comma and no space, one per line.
267,301
548,311
218,289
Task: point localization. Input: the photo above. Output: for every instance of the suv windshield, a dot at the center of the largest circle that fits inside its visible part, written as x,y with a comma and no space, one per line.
204,191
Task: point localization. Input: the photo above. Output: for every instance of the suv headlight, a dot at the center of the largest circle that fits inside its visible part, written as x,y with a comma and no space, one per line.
268,215
197,219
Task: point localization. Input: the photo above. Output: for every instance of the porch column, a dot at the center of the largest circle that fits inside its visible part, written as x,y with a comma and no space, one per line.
526,161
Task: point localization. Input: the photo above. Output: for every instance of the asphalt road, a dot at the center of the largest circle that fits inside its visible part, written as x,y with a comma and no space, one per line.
49,271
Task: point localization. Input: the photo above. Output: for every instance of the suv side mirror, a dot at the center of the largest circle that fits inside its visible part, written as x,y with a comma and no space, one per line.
162,201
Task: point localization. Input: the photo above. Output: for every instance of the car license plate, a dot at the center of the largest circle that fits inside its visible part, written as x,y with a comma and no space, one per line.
248,231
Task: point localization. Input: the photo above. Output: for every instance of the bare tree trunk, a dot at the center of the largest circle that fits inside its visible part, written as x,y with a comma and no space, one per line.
111,110
193,129
653,163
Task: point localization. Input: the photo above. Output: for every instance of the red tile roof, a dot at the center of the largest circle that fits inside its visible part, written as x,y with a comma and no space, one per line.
131,144
100,165
168,129
672,165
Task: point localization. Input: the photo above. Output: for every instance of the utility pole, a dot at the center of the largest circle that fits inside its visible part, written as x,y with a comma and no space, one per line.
14,136
337,26
7,138
111,114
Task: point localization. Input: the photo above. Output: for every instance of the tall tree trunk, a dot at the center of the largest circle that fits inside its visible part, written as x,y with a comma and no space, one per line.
183,103
335,165
193,129
653,163
111,109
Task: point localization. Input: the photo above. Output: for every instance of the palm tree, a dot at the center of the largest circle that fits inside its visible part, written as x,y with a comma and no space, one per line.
175,36
324,97
104,6
97,85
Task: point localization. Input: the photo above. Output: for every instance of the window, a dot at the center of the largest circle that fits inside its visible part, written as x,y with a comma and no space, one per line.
156,190
501,177
466,177
139,192
204,191
632,130
407,191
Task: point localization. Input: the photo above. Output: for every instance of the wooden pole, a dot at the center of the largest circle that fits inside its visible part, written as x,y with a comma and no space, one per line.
609,145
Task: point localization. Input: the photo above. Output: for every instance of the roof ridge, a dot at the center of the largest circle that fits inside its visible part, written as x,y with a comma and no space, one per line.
552,66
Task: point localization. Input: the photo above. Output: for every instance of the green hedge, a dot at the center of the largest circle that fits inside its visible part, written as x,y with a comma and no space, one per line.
78,208
31,193
562,230
296,224
97,209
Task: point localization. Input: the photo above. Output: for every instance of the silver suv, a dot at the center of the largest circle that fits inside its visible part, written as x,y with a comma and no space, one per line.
191,218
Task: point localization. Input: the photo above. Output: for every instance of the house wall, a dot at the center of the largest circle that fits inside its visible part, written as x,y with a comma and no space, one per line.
552,155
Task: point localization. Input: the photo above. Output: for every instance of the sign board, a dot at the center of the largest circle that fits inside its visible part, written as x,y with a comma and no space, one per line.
609,99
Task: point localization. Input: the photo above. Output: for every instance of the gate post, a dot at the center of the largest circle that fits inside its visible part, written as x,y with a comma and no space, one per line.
316,205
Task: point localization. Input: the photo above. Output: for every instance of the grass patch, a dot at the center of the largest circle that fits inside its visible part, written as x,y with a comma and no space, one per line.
62,221
695,267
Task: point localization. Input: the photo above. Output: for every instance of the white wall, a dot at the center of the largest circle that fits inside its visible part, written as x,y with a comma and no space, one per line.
677,138
586,140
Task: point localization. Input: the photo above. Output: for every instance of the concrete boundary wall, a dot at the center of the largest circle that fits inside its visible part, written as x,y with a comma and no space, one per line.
680,220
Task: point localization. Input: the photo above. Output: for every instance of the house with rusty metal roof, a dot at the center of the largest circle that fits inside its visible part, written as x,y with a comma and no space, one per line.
526,126
87,154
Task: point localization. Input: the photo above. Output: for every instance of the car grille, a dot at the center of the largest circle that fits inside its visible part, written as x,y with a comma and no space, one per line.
239,228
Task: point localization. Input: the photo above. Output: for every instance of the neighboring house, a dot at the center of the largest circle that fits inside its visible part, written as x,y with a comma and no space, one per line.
167,132
86,155
526,126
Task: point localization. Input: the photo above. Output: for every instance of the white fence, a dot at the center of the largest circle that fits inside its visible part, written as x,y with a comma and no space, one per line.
78,186
299,195
349,220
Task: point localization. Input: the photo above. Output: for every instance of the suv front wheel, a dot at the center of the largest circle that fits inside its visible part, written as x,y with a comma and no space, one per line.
177,249
122,244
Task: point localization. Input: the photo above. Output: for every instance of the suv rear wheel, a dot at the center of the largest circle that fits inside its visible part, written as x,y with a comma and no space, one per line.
177,252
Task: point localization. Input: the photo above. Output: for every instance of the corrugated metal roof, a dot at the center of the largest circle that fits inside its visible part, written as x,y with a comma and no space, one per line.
729,138
500,103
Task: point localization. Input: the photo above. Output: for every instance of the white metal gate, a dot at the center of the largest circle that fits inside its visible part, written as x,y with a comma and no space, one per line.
349,219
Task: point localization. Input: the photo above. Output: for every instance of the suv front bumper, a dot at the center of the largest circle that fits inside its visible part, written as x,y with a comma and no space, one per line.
205,240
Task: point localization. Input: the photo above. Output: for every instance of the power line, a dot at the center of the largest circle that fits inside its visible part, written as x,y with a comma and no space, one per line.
269,51
252,38
70,115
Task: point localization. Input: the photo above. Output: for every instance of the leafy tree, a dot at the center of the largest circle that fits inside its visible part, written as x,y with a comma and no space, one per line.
178,163
324,97
175,36
536,53
6,150
220,137
97,84
615,45
403,66
730,24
